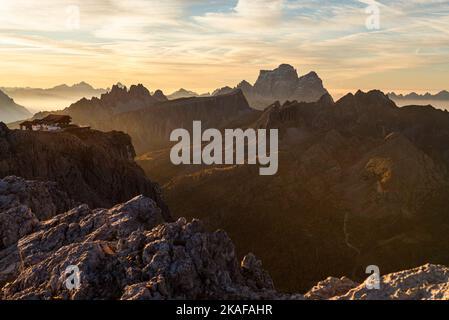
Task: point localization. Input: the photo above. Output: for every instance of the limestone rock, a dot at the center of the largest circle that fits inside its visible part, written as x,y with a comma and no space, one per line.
428,282
330,288
127,252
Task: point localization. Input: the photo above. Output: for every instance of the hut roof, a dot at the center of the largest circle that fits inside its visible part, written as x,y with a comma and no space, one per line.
55,118
26,123
50,119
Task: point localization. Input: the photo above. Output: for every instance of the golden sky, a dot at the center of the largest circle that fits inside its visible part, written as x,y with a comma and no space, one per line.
202,45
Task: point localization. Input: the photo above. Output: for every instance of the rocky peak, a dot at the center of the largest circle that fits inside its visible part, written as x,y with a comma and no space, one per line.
284,71
116,91
326,100
428,282
97,111
280,82
83,85
312,79
224,90
374,97
182,93
159,96
139,91
371,100
244,86
10,111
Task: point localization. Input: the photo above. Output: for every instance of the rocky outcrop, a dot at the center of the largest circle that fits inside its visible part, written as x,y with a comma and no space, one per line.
11,111
90,166
428,282
330,288
45,199
127,252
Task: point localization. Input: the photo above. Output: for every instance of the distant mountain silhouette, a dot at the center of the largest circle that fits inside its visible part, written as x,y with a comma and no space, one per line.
11,111
183,93
59,97
442,95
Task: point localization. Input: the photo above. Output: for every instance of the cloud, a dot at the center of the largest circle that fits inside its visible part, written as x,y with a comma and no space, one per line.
213,43
246,16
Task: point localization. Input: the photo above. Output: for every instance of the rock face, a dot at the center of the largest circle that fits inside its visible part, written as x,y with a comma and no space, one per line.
45,199
149,120
281,84
126,252
150,129
90,166
10,111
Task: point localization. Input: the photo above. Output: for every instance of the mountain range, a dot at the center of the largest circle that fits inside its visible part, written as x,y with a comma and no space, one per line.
439,100
57,97
11,111
149,119
183,93
360,180
281,84
442,95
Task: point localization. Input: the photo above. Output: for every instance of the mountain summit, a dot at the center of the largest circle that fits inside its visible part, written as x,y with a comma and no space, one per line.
10,111
281,84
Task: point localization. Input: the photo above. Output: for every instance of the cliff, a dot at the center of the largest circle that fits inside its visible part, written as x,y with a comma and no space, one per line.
90,166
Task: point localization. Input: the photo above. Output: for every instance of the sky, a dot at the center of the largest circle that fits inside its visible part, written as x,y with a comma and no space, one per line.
400,45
